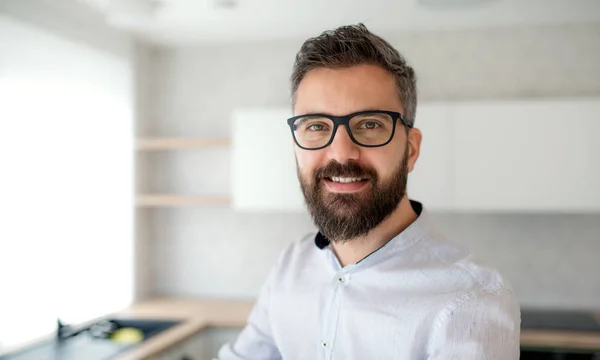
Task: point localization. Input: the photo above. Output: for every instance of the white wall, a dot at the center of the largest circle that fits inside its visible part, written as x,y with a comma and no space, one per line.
75,21
72,20
212,251
66,184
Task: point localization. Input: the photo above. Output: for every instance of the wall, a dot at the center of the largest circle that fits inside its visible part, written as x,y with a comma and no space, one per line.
72,20
212,251
66,121
143,83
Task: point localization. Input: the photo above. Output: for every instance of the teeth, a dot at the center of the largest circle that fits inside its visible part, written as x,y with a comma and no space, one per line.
345,180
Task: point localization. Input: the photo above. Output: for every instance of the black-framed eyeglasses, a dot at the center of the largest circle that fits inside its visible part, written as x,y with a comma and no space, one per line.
371,128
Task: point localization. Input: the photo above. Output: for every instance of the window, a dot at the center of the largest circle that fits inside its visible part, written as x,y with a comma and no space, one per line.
66,183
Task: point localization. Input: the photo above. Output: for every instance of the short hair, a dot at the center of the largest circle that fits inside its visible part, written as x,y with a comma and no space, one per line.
352,45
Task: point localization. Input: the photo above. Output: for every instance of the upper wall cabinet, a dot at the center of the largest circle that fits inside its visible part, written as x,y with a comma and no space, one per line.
431,181
537,155
263,162
264,166
534,155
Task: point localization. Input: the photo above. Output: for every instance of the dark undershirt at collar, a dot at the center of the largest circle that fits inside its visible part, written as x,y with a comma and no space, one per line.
322,242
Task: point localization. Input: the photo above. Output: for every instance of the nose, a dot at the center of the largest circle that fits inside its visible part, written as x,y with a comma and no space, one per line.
342,148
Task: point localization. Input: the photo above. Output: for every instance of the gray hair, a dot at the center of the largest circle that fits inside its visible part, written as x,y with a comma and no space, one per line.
354,45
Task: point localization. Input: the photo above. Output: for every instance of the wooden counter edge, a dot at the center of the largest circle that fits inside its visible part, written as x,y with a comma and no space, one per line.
215,317
560,339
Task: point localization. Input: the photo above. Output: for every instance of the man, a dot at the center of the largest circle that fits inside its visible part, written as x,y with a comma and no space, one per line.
377,281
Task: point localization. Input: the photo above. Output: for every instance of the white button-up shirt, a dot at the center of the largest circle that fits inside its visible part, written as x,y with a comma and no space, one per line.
419,296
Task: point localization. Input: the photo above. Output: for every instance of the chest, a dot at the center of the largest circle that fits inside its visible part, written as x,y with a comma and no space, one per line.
345,318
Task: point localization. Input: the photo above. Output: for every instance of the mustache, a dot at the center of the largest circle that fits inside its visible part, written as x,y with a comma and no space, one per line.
350,169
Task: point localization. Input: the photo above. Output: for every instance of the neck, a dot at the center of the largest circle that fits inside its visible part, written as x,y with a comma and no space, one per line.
354,250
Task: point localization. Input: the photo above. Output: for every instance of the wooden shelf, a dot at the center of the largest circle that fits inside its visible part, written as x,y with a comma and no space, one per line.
167,200
166,143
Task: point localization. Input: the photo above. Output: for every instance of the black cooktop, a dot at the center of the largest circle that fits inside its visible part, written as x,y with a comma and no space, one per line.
559,320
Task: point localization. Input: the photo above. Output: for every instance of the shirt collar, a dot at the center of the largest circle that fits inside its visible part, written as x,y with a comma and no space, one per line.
414,232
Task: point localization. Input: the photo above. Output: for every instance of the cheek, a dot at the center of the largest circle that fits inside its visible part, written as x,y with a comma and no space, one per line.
308,161
385,161
384,169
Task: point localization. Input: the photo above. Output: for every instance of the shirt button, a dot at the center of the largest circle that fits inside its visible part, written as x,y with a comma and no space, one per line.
341,279
324,344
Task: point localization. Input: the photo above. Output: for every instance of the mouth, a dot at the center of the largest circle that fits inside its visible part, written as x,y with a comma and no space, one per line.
345,184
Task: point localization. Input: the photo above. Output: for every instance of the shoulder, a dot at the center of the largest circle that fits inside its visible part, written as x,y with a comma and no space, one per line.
466,270
477,291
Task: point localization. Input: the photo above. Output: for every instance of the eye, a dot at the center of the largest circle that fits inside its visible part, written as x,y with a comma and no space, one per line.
370,124
316,127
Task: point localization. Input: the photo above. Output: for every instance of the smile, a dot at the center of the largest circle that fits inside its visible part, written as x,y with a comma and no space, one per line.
345,184
345,179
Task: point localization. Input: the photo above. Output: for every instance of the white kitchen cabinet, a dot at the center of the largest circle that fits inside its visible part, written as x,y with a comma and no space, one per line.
534,155
522,155
193,348
204,345
431,181
263,163
264,166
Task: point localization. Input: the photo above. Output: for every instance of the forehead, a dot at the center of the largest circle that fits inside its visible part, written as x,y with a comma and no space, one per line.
346,90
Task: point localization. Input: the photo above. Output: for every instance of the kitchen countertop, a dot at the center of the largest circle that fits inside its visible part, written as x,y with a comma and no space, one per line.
199,314
195,315
553,329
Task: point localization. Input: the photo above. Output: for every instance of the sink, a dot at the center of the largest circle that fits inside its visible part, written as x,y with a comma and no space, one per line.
149,327
84,344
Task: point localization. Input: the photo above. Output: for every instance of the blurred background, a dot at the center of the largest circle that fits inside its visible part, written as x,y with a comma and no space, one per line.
137,164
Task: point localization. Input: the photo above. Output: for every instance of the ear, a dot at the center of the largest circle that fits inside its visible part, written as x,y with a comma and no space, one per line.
414,147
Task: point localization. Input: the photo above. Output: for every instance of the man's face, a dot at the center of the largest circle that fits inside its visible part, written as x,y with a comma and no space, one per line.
342,210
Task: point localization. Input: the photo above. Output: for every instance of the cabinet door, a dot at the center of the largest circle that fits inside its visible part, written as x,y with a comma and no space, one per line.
431,180
558,354
264,164
528,155
192,348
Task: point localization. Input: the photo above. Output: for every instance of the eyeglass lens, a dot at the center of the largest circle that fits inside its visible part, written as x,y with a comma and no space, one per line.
367,129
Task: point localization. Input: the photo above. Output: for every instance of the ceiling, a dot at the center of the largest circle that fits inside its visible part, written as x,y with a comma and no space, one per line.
176,22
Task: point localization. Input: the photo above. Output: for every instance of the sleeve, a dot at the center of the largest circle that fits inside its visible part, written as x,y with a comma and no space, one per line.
255,341
482,326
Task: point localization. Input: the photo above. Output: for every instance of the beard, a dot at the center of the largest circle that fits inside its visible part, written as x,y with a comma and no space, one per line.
345,216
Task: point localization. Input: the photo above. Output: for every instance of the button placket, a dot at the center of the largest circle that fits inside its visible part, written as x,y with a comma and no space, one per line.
342,278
